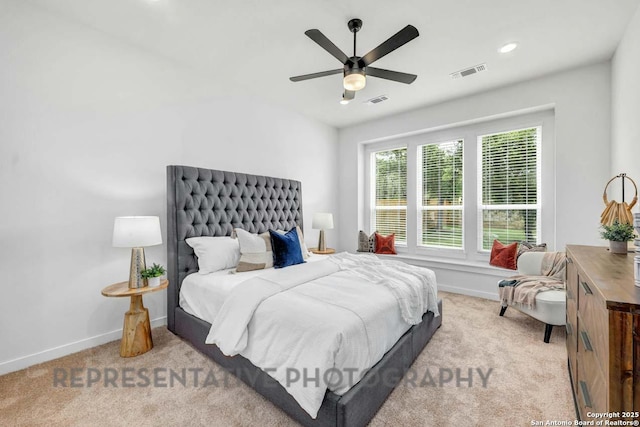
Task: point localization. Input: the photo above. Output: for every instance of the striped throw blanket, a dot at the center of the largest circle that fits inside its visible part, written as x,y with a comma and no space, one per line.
523,289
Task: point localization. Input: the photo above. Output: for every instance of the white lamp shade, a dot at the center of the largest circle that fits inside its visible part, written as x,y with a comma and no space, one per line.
322,221
136,231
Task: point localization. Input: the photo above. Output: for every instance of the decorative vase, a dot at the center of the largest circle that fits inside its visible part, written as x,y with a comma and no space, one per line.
617,247
154,282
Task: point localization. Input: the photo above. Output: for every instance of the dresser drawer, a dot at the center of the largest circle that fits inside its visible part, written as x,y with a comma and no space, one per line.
591,387
584,290
572,350
593,324
572,314
572,280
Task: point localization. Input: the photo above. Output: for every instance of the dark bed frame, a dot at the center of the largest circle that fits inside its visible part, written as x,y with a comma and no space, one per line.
203,202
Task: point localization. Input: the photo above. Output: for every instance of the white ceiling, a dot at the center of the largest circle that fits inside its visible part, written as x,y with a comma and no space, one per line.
255,46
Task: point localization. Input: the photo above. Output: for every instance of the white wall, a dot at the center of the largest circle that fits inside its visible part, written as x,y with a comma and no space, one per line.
87,126
625,104
581,99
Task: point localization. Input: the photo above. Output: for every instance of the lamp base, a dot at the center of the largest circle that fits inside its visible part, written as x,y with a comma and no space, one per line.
322,246
137,265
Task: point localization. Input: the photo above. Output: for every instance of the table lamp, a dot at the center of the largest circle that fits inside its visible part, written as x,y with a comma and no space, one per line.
322,221
136,232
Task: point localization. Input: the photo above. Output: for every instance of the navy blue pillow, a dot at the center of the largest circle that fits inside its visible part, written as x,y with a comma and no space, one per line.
286,249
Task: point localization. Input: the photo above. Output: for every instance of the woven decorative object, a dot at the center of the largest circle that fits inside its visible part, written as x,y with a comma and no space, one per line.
618,211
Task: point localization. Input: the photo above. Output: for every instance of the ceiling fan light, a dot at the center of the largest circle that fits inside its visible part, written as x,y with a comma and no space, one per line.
354,81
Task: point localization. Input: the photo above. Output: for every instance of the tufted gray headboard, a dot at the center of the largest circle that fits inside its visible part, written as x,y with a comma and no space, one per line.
205,202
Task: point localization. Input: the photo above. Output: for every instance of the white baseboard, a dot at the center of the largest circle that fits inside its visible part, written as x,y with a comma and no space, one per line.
66,349
470,292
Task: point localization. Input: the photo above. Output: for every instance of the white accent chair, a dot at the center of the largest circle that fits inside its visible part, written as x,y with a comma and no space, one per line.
551,306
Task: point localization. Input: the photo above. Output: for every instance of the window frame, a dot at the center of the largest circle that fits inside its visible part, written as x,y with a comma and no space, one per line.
422,208
373,198
370,197
539,190
468,132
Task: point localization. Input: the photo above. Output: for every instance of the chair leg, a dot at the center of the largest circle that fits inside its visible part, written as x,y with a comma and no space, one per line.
502,310
547,332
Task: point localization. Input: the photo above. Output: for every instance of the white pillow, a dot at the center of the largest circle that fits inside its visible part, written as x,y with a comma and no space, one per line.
215,253
255,251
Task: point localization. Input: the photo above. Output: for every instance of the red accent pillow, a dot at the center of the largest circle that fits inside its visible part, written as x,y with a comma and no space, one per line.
504,256
386,244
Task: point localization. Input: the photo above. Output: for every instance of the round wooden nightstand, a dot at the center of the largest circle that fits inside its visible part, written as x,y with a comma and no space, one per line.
327,251
136,332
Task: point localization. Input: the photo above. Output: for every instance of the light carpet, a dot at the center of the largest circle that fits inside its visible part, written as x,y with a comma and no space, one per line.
528,381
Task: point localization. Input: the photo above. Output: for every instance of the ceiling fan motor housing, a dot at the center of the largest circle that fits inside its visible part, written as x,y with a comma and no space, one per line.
353,66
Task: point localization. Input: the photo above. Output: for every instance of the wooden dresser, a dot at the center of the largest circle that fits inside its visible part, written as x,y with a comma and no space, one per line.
603,331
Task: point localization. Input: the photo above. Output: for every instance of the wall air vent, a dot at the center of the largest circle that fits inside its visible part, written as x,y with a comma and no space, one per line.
468,71
376,100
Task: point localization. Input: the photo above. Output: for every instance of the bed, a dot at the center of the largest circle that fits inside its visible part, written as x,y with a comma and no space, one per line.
203,202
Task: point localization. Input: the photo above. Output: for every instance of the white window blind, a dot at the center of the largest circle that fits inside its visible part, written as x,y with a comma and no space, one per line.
390,193
441,208
509,190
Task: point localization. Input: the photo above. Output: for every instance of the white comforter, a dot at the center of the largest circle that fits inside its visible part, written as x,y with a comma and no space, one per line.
318,325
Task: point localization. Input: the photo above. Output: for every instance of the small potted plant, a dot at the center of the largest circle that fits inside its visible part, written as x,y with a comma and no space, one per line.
152,275
618,234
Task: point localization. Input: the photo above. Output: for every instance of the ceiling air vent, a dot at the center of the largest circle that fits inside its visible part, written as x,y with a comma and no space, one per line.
468,71
376,100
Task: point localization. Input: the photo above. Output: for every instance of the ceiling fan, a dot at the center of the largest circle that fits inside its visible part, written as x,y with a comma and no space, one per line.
356,68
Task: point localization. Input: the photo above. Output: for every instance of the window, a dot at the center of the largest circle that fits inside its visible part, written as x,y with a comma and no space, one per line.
509,181
448,193
440,218
390,193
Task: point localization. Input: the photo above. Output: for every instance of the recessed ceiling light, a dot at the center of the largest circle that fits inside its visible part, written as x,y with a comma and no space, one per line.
508,47
344,101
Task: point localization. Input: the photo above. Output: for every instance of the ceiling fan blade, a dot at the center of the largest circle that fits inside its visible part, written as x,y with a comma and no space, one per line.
391,75
400,38
327,45
349,95
315,75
